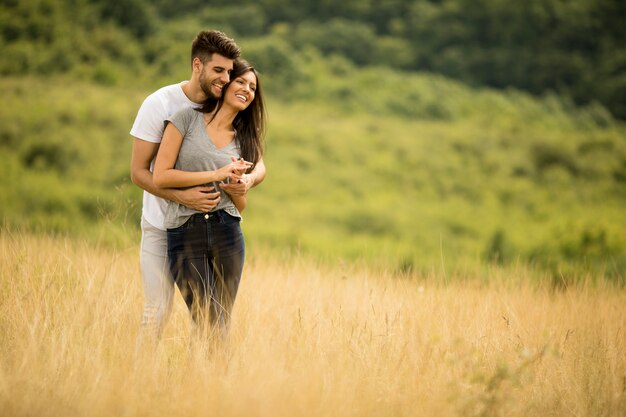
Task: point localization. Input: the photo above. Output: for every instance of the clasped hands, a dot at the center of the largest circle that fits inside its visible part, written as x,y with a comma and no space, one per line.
234,172
205,198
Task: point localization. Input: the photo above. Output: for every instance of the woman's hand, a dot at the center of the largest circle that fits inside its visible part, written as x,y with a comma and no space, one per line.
234,170
246,182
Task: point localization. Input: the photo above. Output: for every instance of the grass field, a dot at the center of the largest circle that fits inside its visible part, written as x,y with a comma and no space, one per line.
306,340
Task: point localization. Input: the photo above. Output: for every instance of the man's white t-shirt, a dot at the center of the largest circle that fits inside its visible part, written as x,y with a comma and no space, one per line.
149,126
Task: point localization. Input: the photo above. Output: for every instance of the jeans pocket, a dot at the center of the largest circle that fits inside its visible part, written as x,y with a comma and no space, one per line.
229,219
182,227
177,236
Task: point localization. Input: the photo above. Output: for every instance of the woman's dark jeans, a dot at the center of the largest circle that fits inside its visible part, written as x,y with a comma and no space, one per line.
206,256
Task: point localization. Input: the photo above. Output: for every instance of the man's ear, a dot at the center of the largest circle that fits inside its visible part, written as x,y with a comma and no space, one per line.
196,64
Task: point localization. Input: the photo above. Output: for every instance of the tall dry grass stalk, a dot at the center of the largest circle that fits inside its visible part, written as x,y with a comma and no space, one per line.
306,340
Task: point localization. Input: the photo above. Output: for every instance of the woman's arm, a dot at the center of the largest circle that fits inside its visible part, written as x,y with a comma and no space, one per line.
256,176
197,198
165,176
240,202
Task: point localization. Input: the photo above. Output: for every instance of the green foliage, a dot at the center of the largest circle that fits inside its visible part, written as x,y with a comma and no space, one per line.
275,57
573,48
350,39
65,164
137,16
245,20
487,177
367,160
48,37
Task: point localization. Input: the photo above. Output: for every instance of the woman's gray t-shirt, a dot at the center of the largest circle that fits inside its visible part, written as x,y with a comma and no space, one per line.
198,153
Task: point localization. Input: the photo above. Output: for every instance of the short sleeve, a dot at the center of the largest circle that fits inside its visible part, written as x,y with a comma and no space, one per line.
182,120
149,123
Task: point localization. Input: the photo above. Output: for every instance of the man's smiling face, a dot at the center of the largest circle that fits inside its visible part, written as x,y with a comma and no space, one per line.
214,74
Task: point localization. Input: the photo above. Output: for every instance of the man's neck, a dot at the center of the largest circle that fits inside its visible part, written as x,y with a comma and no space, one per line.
193,92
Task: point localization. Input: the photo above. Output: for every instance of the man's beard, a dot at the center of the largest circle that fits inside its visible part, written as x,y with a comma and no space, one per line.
206,88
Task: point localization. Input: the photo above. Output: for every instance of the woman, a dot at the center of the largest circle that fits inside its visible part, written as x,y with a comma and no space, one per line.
215,144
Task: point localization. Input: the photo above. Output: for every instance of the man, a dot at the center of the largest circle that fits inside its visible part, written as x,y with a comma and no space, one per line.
212,58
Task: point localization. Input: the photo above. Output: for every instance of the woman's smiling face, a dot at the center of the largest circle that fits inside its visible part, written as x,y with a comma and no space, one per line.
241,91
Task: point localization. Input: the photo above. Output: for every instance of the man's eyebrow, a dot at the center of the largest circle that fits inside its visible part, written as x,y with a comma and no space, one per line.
219,68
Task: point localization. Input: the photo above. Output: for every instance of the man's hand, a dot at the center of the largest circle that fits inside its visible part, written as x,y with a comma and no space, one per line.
201,198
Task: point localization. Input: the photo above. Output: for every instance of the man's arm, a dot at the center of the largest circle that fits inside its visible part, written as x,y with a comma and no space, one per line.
200,198
248,181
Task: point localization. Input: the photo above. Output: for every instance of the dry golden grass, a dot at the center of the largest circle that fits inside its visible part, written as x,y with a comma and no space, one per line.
306,340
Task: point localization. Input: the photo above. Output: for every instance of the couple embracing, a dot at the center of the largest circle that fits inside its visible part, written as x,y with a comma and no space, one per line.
197,151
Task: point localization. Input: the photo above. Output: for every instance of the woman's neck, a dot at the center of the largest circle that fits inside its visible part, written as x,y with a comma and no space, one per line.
223,119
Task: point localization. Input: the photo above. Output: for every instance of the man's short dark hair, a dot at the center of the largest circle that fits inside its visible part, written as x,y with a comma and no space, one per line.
209,42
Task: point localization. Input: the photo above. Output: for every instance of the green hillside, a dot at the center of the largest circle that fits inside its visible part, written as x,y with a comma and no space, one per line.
370,161
357,172
576,48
